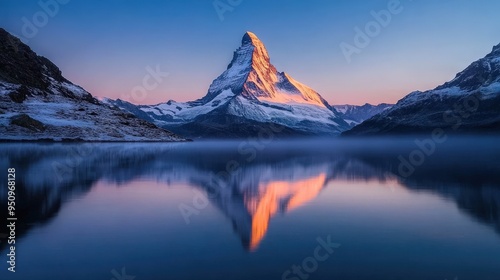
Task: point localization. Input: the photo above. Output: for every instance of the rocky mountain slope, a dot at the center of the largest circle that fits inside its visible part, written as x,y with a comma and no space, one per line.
468,103
38,103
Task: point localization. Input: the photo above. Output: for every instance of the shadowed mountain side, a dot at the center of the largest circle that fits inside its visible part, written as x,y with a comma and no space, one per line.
38,104
467,104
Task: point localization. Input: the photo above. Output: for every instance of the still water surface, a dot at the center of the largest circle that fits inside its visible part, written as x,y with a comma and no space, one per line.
243,210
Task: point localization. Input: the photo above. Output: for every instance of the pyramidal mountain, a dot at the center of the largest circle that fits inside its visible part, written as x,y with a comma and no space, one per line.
38,103
468,103
248,98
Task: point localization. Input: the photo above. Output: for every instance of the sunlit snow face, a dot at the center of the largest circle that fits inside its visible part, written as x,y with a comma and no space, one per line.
253,89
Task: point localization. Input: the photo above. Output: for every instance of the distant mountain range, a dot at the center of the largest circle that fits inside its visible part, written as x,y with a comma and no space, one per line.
468,103
355,115
38,103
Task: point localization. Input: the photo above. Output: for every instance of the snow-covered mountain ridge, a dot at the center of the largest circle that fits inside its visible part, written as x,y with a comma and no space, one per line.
468,103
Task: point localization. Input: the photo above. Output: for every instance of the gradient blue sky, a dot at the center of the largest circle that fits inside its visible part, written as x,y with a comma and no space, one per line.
105,46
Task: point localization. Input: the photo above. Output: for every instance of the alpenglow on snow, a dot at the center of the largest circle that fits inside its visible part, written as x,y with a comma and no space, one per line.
249,96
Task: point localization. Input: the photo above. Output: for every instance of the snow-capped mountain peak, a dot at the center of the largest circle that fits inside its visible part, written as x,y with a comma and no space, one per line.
259,50
252,75
248,96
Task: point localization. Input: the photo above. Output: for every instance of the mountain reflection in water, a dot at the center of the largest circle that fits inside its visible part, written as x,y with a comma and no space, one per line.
278,179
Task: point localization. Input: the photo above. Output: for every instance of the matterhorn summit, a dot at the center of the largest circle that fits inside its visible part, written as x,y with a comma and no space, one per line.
248,97
252,75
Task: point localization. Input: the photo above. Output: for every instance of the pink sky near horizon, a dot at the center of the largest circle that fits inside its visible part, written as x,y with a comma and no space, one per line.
375,88
376,76
105,47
